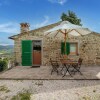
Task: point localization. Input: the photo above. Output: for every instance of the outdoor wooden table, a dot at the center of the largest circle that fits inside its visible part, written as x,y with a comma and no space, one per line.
67,64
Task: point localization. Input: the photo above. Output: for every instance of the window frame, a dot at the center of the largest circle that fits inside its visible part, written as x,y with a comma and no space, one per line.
77,48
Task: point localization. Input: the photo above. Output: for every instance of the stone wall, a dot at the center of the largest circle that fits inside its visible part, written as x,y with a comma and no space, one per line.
89,46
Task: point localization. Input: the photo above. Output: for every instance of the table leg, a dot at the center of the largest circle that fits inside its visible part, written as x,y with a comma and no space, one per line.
67,70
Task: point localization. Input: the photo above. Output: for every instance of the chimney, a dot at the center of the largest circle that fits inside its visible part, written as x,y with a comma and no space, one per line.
24,27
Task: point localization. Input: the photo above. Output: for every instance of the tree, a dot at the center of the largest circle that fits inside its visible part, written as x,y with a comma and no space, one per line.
71,17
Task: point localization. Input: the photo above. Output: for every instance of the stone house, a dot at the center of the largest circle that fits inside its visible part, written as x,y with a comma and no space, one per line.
32,47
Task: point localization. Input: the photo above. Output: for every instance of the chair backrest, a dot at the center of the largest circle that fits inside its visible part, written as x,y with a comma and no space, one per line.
54,63
80,60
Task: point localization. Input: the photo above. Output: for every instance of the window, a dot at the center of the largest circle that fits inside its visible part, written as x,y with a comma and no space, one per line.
71,48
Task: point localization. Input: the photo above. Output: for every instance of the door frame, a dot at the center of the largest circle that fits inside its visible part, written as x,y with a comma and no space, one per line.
41,51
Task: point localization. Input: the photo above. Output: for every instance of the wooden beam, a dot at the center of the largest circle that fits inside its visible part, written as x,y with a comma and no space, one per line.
74,30
70,30
61,31
65,31
56,33
47,33
78,32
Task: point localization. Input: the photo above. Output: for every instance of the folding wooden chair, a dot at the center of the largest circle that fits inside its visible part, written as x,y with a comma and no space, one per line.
55,66
77,66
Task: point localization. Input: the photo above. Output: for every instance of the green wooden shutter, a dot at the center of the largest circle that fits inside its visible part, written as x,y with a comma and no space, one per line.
67,48
62,47
27,53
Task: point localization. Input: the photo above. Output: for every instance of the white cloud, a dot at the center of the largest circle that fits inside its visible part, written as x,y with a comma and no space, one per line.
61,2
5,44
45,22
9,27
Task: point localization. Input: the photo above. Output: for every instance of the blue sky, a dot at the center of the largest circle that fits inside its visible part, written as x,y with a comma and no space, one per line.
42,12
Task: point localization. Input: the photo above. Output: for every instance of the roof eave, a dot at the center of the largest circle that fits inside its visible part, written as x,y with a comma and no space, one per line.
11,38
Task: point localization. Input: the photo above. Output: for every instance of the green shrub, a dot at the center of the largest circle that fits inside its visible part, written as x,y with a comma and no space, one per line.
3,65
5,59
4,88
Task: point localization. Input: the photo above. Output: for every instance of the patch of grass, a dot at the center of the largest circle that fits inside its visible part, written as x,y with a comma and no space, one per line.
92,97
86,98
7,91
22,96
4,89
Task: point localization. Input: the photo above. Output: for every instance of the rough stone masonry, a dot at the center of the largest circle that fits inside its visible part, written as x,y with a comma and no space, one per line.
89,45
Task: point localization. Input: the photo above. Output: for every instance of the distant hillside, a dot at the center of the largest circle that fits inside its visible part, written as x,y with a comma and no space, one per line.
6,49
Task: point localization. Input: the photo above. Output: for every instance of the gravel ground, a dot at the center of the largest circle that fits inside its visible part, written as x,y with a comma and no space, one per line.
52,89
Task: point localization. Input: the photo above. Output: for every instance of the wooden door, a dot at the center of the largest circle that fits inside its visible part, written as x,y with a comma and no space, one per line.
37,58
37,52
